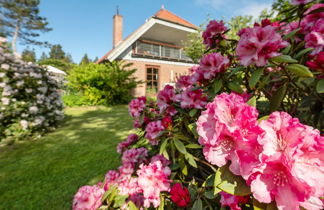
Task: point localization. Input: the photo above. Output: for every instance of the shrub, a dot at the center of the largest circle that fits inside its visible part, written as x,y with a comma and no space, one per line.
204,144
103,84
30,101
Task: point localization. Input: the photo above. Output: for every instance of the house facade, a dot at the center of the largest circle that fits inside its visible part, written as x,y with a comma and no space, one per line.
155,49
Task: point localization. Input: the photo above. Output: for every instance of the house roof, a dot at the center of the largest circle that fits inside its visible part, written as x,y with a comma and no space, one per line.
169,16
164,17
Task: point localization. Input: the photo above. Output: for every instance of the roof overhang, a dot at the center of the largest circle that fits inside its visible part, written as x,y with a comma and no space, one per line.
119,49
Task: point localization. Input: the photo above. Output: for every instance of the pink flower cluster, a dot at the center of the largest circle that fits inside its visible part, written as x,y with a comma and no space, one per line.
232,201
137,106
298,2
213,33
210,65
165,98
258,44
88,197
184,82
132,138
281,159
153,129
317,63
190,99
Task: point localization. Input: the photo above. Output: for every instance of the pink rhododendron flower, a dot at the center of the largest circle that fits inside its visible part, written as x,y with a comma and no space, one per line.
137,106
298,2
210,65
292,163
258,44
315,39
152,131
153,179
228,130
135,155
111,178
165,97
190,99
310,20
213,32
166,122
233,201
129,141
184,82
171,111
129,186
317,63
88,197
180,195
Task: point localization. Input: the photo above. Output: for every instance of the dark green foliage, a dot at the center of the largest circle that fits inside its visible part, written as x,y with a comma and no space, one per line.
20,20
57,52
85,60
103,84
60,64
29,55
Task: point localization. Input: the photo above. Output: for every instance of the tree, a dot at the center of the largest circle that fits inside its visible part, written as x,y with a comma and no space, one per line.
96,59
194,47
85,59
237,23
29,55
21,20
57,52
68,58
43,57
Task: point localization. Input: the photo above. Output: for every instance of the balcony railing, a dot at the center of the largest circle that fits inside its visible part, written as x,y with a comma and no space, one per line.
159,51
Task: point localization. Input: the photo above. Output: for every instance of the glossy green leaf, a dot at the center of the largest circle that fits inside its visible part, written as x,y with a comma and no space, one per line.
235,87
320,86
163,146
193,112
209,194
161,206
193,146
218,84
197,205
230,183
278,97
284,59
131,206
193,128
291,34
119,200
299,70
209,182
180,147
286,50
191,160
263,118
255,77
303,52
252,101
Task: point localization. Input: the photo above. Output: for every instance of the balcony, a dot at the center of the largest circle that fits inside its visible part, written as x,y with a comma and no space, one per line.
161,51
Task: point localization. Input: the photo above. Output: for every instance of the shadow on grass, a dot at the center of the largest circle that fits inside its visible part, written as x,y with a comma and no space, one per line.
45,174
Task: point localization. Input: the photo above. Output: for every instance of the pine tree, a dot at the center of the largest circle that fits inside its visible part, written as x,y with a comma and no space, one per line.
43,57
57,52
29,55
68,58
85,59
96,59
20,20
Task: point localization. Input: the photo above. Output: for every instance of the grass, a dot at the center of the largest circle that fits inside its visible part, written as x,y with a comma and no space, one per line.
45,174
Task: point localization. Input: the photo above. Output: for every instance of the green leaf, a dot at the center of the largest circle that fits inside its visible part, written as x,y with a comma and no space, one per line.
180,147
120,200
209,182
286,50
218,84
193,146
303,52
197,205
163,146
299,70
263,118
283,59
277,98
235,87
161,206
291,34
231,183
320,86
255,77
193,128
234,70
209,194
252,101
193,112
132,206
191,160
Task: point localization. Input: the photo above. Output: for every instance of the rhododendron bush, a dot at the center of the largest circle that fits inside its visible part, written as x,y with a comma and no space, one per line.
244,130
30,103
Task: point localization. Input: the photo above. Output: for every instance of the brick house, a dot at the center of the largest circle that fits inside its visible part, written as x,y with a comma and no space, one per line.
155,49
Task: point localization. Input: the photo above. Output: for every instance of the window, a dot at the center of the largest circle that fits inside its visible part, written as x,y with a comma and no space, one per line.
152,79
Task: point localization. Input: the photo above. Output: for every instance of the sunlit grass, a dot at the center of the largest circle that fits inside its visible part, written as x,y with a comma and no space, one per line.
45,174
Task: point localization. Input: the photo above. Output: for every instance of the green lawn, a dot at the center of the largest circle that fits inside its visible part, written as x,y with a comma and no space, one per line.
45,174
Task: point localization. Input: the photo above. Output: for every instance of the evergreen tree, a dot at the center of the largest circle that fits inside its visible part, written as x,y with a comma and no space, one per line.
85,59
96,59
29,55
43,57
57,52
68,58
20,20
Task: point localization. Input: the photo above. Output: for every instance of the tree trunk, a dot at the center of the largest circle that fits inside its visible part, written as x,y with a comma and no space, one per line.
14,38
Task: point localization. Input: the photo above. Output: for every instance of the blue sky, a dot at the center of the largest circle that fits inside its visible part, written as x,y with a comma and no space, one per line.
85,26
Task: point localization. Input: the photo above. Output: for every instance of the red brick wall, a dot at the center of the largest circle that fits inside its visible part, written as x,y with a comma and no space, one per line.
164,74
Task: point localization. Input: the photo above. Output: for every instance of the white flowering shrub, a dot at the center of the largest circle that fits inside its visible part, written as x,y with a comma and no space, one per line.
30,102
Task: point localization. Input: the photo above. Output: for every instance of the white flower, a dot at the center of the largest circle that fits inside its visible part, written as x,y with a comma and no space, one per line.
33,109
5,66
5,101
24,124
